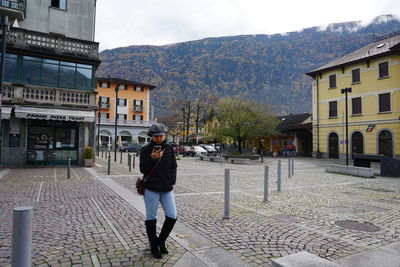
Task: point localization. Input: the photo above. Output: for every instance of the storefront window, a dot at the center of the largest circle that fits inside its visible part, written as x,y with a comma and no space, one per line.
65,138
83,78
40,138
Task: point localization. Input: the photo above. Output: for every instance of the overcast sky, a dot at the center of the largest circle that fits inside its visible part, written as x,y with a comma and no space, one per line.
160,22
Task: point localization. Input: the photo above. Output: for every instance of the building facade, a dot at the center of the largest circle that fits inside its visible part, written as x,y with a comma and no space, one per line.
130,101
370,78
49,97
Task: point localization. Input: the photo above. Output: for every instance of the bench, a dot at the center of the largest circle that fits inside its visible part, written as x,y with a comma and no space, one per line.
239,160
211,158
389,166
302,259
350,170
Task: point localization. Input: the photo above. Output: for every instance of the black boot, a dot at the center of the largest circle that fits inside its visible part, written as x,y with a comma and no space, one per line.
165,231
152,235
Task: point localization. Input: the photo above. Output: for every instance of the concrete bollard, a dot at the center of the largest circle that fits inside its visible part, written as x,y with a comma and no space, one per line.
21,253
69,168
134,160
109,163
279,176
292,165
227,194
266,169
288,166
102,156
129,162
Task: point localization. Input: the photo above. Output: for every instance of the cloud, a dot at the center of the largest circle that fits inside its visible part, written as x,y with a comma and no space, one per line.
160,22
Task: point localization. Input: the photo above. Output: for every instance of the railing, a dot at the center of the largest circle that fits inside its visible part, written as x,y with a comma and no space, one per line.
14,4
46,95
58,44
138,108
125,122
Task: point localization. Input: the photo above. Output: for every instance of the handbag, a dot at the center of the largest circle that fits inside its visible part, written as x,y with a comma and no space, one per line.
140,182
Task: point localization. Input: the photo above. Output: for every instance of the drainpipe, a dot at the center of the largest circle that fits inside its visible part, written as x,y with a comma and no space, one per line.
318,150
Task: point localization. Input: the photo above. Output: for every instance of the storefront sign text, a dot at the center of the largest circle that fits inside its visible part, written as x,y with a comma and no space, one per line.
54,117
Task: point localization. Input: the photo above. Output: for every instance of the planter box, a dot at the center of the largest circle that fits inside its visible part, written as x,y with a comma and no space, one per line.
88,162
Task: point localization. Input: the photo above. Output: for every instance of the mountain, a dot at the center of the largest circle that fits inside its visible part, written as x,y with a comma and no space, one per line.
267,68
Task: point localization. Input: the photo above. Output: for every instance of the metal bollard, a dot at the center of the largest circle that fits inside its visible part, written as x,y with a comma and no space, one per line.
266,183
129,162
69,168
289,171
120,160
21,253
226,194
134,160
102,154
279,176
109,163
292,165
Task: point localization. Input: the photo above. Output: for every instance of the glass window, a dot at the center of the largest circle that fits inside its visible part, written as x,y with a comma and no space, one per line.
65,138
105,85
122,87
61,4
50,74
40,137
138,89
103,115
30,72
67,76
83,78
138,117
10,74
65,63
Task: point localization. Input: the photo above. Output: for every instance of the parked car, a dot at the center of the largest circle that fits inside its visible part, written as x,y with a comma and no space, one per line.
184,150
199,151
136,147
209,149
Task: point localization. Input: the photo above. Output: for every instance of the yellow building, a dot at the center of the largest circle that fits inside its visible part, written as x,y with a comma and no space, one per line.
132,107
372,73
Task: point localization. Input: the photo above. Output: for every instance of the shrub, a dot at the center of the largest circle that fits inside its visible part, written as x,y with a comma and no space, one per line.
88,154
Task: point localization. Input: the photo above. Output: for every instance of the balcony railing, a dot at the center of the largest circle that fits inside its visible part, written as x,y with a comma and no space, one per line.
137,108
18,94
13,8
26,39
125,122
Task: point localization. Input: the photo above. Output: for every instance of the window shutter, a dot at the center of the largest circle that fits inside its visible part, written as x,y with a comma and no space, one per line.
356,105
108,115
384,102
356,75
125,102
141,117
125,117
332,81
141,103
383,69
332,109
108,100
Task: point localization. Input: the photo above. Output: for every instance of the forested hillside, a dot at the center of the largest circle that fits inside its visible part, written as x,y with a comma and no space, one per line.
267,68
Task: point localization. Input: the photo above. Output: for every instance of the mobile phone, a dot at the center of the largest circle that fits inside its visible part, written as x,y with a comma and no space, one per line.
157,147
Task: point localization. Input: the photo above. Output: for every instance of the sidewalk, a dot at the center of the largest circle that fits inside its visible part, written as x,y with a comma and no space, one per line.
97,219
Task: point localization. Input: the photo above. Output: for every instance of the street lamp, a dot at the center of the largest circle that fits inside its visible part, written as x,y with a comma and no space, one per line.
116,123
183,125
345,91
98,130
4,24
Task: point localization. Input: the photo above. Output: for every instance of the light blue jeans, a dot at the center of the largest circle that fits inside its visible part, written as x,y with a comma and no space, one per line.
151,200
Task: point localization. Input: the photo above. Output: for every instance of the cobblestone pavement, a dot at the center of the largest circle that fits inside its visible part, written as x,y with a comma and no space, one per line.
79,220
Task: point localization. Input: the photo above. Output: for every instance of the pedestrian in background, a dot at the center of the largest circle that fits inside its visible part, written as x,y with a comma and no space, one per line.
158,165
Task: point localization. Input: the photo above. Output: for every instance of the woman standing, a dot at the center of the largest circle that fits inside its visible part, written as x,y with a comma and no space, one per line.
158,165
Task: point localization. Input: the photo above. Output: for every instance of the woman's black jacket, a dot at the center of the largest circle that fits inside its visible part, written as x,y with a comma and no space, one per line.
164,176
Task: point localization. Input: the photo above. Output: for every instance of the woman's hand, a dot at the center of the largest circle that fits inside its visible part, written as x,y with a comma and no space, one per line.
156,154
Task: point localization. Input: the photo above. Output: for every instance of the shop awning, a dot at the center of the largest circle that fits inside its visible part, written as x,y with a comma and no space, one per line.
54,114
6,113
